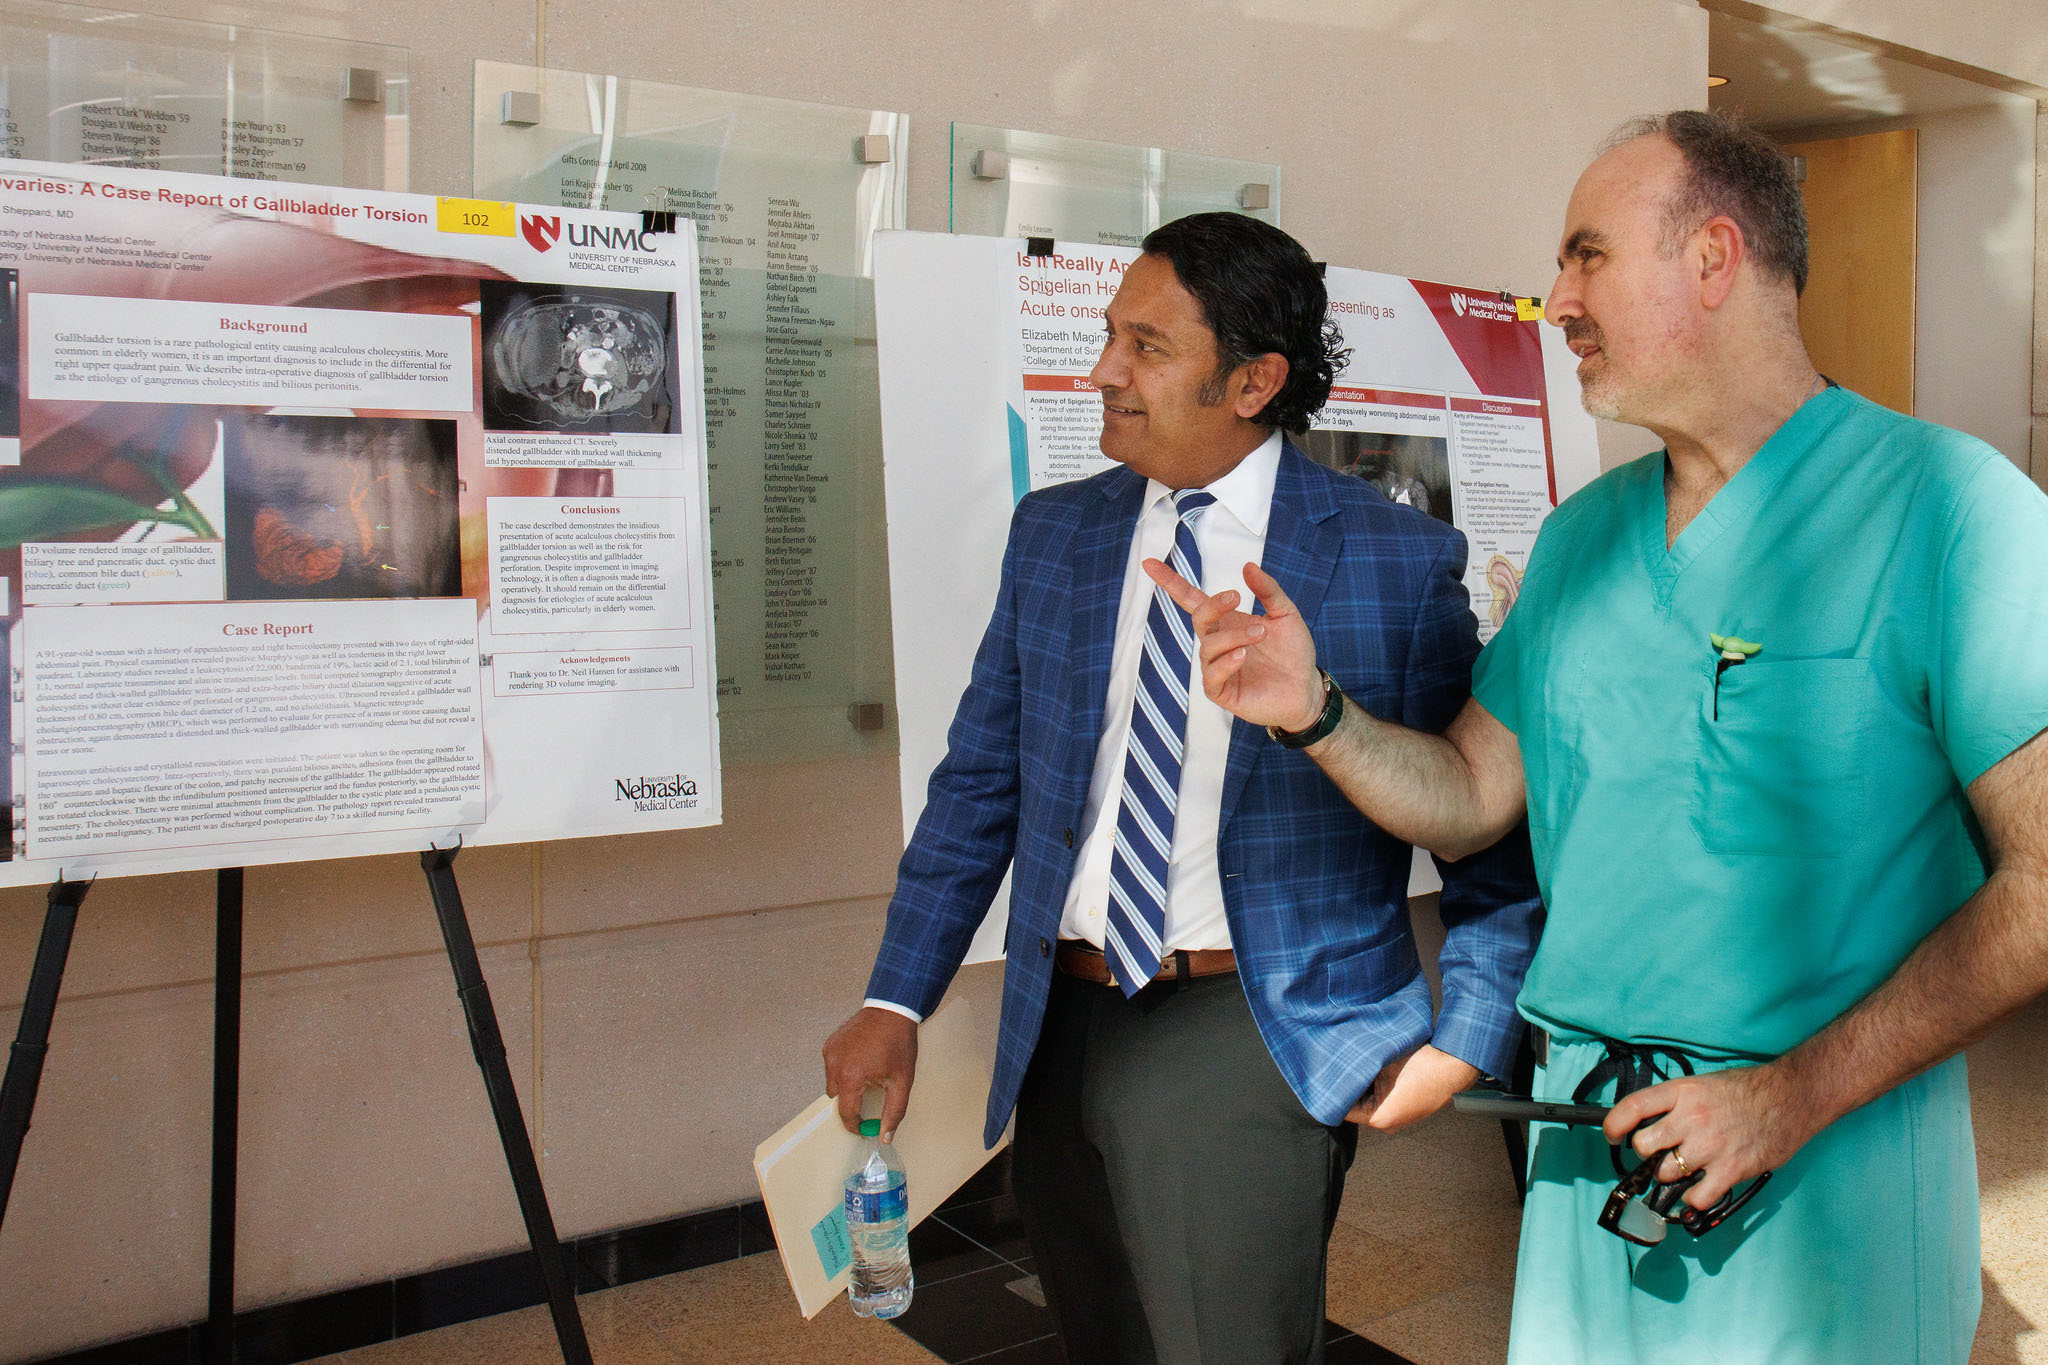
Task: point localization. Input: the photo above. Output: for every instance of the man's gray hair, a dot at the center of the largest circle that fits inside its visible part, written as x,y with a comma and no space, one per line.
1733,171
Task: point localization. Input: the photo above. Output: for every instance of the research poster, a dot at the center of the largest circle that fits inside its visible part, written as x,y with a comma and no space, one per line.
337,522
1442,405
985,352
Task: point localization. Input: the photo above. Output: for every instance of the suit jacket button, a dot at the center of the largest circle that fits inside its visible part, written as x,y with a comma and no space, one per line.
1045,947
1069,836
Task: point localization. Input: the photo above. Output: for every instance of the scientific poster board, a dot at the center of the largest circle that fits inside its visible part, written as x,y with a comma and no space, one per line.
984,355
341,522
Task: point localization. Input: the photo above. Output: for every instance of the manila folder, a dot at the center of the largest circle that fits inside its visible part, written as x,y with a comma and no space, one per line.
803,1168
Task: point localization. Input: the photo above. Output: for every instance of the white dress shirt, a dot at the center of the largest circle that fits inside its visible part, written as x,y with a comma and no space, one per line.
1229,533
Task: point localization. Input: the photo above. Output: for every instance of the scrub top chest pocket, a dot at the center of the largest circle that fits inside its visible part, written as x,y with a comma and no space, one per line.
1778,771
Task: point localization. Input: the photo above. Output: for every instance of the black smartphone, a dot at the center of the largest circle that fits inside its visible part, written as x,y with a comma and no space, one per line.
1494,1104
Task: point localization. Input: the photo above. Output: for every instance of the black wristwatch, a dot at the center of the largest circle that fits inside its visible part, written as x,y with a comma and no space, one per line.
1333,711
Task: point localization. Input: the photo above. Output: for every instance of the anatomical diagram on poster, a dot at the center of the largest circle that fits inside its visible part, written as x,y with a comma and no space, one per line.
336,522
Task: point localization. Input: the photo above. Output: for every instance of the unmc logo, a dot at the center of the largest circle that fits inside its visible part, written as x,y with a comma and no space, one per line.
1457,300
610,238
540,233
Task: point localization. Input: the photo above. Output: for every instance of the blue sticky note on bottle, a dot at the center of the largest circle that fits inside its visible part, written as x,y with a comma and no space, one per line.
835,1252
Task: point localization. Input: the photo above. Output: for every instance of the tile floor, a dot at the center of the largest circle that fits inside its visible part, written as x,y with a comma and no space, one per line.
1421,1265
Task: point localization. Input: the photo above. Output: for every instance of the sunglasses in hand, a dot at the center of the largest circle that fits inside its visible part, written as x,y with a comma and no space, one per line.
1642,1208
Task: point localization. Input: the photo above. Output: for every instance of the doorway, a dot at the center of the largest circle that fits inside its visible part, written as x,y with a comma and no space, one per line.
1920,195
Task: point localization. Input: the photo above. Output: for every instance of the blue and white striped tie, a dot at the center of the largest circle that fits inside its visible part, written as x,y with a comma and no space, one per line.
1134,934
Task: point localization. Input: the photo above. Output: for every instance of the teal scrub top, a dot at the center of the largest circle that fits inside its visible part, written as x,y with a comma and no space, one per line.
1729,865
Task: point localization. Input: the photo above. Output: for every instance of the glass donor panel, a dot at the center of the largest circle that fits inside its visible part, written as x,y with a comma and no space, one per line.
107,87
787,198
1007,183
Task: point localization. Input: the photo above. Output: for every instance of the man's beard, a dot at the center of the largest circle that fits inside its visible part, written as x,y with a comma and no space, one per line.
1597,392
1598,397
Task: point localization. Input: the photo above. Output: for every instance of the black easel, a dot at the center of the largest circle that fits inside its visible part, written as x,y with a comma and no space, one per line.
31,1045
227,1090
32,1039
489,1045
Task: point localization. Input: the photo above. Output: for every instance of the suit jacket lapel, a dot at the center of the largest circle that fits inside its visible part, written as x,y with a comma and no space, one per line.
1302,545
1101,547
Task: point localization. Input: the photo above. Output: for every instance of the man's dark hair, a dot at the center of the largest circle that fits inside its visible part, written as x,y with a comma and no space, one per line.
1259,292
1733,171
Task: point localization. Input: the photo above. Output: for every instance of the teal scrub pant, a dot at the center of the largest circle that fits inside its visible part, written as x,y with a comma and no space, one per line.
1863,1248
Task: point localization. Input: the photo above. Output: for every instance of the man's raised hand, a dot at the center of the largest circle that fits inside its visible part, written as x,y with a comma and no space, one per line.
1259,668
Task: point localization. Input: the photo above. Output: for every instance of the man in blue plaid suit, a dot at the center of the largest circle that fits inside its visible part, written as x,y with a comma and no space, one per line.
1184,1100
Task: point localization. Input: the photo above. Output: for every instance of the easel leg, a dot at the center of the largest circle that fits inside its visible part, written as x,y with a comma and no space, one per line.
32,1039
227,1086
489,1046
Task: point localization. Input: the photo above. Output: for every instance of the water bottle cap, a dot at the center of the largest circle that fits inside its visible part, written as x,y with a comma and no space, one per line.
870,1127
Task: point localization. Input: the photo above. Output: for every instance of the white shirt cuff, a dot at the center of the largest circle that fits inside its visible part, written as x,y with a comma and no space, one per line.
890,1005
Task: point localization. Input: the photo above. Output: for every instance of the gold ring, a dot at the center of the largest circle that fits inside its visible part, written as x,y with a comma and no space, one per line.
1678,1157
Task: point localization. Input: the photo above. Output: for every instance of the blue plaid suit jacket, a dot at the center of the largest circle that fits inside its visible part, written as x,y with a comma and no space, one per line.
1316,895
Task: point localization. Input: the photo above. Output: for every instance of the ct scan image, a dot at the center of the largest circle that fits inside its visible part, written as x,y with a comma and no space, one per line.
558,358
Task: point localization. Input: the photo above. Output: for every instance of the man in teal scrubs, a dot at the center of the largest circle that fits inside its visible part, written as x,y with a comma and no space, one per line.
1773,700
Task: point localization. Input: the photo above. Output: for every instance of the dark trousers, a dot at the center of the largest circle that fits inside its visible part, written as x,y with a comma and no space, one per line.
1178,1198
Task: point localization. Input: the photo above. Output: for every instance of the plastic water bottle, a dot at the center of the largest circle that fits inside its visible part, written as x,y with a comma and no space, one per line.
878,1226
